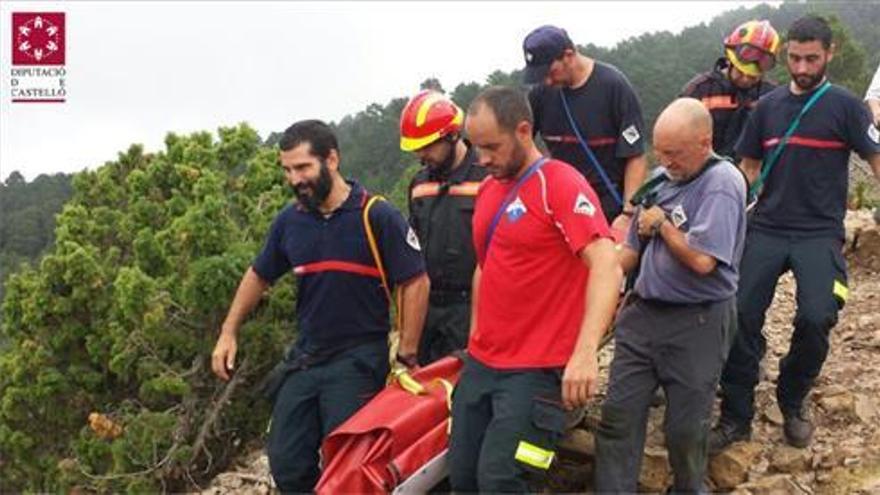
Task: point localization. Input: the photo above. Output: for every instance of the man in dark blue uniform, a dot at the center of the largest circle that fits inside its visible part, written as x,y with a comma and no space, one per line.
796,225
340,358
732,88
441,204
588,116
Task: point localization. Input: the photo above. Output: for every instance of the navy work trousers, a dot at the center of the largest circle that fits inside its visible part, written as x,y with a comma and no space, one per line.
820,273
505,425
312,402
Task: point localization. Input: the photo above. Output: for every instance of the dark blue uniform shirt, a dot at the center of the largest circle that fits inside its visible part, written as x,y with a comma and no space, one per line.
805,193
609,116
340,300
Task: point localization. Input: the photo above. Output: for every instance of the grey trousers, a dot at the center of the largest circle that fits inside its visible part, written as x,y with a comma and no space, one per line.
681,348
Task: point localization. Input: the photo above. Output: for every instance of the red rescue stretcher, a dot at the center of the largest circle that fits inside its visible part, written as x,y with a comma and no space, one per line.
397,442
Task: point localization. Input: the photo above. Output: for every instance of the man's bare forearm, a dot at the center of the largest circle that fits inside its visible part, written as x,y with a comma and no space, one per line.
475,294
634,176
750,167
602,293
247,296
414,307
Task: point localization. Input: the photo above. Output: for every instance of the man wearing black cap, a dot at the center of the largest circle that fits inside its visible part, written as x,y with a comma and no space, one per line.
589,116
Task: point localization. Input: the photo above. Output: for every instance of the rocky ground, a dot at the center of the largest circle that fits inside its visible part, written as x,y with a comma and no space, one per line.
844,456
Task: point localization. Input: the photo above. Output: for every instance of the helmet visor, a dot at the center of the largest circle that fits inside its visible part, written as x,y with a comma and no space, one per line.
751,54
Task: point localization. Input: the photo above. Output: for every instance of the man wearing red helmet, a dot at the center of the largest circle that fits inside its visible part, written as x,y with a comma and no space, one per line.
441,204
732,88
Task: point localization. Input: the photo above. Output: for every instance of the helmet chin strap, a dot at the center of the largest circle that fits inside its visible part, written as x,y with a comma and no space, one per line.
441,172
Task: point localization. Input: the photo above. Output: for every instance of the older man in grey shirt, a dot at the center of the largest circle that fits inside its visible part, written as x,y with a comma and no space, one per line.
674,331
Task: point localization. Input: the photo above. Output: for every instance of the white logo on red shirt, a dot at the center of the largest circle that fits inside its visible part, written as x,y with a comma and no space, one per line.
583,206
413,240
631,134
873,133
516,210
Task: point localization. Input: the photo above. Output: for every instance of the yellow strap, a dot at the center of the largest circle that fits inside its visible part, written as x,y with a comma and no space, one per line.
533,455
374,248
377,258
406,380
449,388
411,385
841,290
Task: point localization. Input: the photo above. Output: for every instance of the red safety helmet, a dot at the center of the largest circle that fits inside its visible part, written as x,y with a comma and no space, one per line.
427,117
752,47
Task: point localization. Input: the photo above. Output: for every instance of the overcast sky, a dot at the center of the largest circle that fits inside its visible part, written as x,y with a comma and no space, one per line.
136,71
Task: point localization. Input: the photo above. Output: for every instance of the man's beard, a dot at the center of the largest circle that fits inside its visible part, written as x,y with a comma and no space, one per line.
312,194
441,170
516,163
808,82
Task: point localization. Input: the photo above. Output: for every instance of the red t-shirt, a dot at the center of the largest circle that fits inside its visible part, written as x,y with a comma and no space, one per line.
533,282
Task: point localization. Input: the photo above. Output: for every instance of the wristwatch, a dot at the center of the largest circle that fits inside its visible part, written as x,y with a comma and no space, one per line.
655,228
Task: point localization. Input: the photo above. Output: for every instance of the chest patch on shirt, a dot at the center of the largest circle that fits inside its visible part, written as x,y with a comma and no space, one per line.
631,134
515,210
413,240
583,206
678,216
873,133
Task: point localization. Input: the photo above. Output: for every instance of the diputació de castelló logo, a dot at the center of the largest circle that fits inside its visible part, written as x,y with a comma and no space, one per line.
39,55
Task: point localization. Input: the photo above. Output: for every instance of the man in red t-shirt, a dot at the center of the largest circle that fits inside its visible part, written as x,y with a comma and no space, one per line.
545,289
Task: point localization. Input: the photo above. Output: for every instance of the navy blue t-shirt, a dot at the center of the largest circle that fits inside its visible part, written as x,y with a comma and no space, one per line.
806,190
609,117
340,299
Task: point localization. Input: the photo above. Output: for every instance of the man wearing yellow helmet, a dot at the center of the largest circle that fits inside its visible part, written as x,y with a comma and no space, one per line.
441,204
732,88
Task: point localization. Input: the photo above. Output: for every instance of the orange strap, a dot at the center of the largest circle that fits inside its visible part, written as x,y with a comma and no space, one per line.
374,248
377,257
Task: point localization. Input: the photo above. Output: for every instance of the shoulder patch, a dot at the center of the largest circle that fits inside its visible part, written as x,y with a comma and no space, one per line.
873,133
631,134
583,206
413,240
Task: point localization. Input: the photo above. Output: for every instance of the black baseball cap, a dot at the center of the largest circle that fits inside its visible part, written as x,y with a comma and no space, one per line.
540,48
